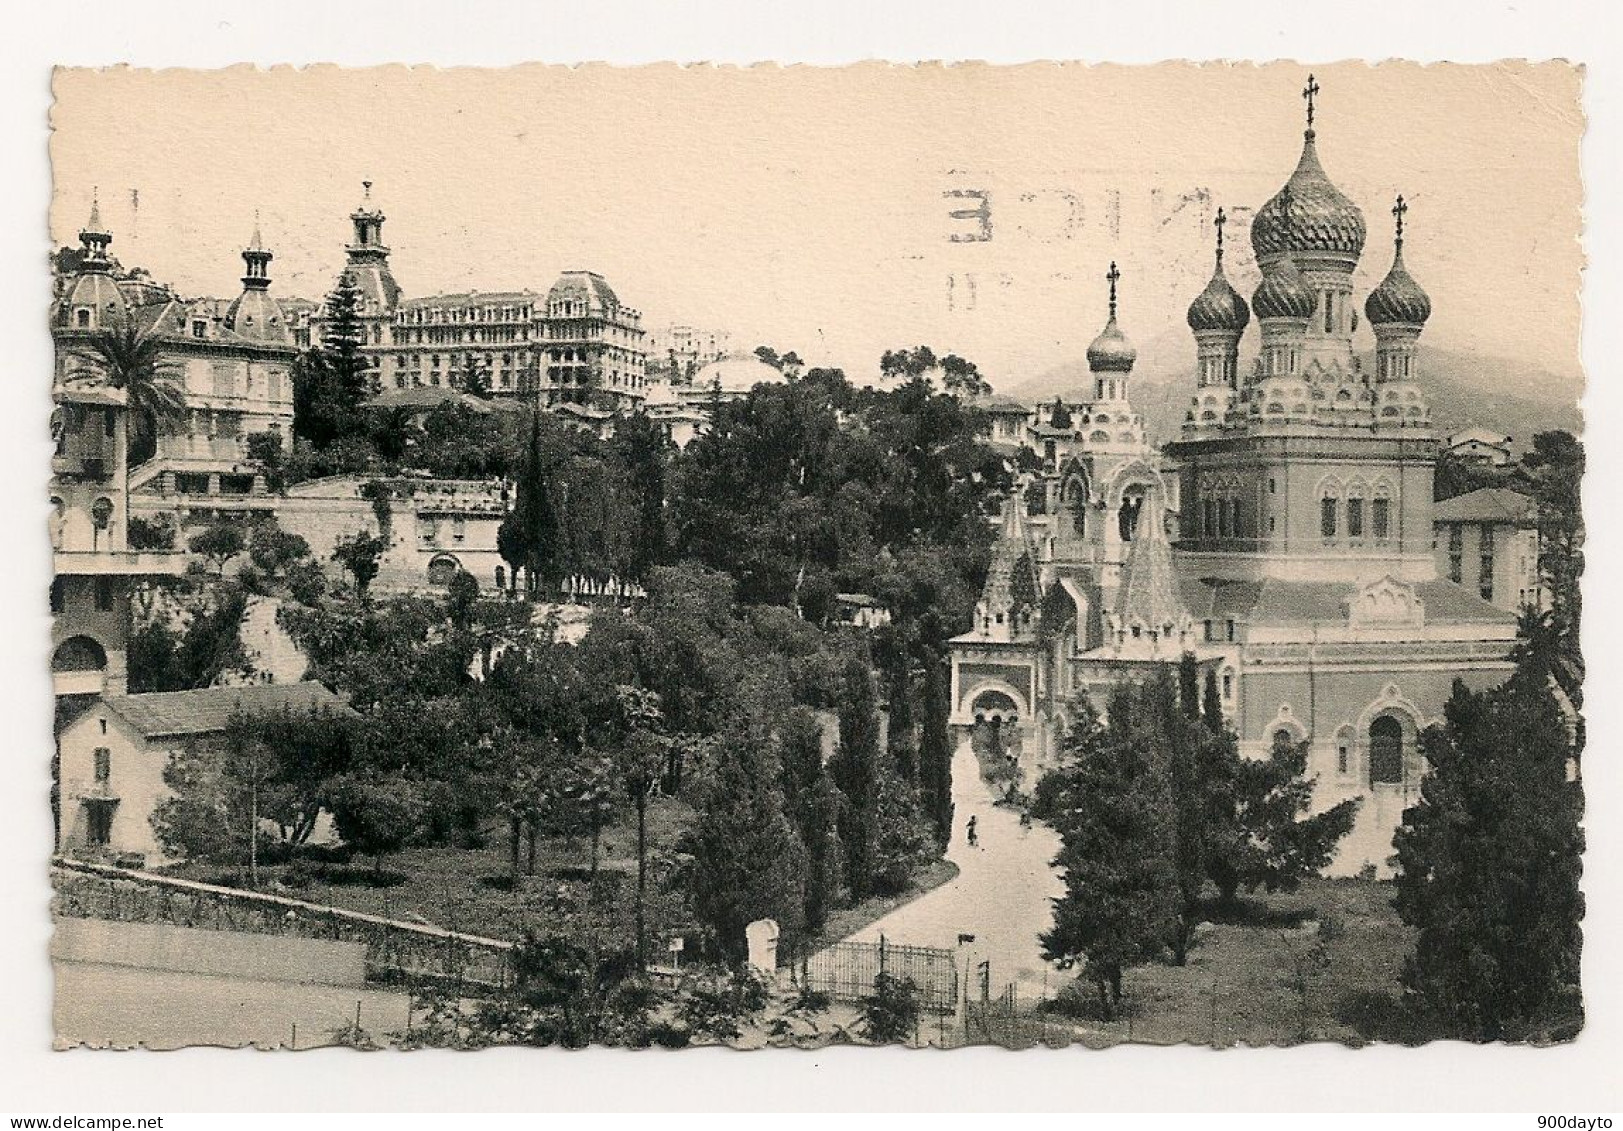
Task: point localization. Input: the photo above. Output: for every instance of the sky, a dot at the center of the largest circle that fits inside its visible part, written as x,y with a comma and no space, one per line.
813,208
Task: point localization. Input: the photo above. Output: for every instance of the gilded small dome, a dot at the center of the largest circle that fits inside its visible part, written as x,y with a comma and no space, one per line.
1309,215
1219,307
1283,293
1111,352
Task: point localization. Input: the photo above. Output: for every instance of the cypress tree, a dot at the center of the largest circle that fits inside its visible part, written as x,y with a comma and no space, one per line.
528,536
856,769
1211,707
813,805
935,754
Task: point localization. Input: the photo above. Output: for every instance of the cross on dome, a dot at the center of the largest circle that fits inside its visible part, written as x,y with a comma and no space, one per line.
1398,210
1310,92
1221,219
1112,275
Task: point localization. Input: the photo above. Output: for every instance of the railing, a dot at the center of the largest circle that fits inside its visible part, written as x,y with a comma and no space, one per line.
846,971
395,951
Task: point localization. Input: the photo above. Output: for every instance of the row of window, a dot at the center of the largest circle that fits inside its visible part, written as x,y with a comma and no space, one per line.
1332,511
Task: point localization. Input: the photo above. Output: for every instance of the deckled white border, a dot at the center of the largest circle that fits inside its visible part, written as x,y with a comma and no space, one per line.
164,33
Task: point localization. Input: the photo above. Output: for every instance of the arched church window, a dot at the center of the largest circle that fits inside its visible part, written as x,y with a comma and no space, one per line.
1380,514
1385,751
1283,742
1329,513
1208,516
1355,512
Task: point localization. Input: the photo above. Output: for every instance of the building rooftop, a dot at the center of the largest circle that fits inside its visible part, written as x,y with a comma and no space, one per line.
162,714
1487,504
1277,602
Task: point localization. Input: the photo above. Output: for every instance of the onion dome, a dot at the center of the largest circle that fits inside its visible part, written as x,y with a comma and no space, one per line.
1219,306
1283,293
1111,352
1398,298
1309,215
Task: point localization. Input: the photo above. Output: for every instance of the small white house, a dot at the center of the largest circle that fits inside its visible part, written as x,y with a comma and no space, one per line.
112,757
1479,445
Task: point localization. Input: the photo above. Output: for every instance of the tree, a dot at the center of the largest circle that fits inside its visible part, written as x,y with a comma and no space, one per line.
332,381
461,597
528,536
748,863
1489,863
343,335
221,541
639,452
275,551
935,754
268,766
136,363
376,813
269,451
903,837
812,804
155,534
358,553
1557,467
855,768
1114,812
1061,417
1274,841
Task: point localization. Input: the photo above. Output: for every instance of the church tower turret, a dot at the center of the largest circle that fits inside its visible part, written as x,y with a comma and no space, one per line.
1111,355
1397,311
1312,223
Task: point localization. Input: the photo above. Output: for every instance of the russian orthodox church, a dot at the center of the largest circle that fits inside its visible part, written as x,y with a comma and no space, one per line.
1284,538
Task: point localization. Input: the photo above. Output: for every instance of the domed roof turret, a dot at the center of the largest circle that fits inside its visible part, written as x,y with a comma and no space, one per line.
1398,299
1111,352
92,299
1283,293
1219,306
1309,215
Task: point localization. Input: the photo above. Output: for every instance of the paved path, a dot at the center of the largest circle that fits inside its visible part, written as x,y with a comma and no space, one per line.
123,1006
1002,891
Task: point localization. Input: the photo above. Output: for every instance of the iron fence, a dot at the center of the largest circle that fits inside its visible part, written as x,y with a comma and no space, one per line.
847,971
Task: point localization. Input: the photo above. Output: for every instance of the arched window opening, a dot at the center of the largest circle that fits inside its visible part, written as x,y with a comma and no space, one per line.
1283,742
1386,751
1127,521
79,654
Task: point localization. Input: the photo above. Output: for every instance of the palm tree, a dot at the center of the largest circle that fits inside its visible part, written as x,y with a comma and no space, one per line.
135,362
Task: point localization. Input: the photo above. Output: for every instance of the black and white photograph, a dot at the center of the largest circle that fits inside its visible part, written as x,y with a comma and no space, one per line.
871,561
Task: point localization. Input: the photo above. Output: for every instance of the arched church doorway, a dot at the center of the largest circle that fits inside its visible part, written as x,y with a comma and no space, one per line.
1386,751
997,722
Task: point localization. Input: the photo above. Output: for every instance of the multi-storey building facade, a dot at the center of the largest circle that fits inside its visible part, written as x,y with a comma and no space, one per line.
231,360
1303,574
1487,540
575,344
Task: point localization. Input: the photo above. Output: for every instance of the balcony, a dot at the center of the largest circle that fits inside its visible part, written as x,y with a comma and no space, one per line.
118,563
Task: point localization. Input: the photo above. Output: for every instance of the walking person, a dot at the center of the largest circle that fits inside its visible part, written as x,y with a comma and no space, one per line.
973,842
